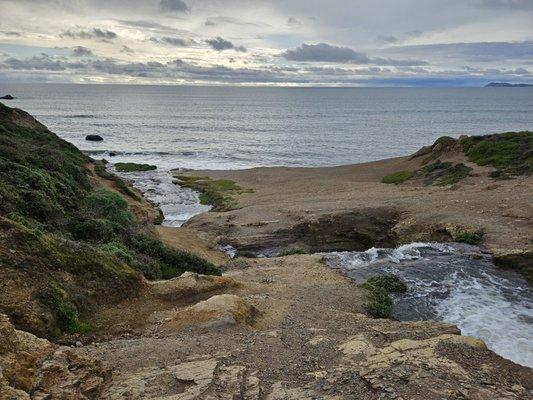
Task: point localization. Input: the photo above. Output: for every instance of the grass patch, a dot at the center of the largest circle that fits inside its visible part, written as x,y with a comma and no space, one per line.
397,177
134,167
292,250
379,303
100,170
473,238
217,193
509,152
65,312
452,175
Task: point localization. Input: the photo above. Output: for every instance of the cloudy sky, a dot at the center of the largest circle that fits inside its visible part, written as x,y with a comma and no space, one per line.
259,42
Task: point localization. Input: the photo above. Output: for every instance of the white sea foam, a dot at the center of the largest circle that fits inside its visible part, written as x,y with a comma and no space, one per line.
446,284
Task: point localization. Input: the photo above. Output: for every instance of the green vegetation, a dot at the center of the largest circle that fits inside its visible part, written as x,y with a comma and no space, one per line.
473,238
452,175
100,170
397,177
65,312
292,250
511,152
216,193
133,167
438,173
379,303
76,245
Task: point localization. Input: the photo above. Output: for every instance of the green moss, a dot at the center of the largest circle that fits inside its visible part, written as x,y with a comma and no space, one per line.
473,238
510,152
292,250
379,303
65,312
216,193
397,177
133,167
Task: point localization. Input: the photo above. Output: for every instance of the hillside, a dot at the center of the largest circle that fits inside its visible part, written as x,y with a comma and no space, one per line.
72,236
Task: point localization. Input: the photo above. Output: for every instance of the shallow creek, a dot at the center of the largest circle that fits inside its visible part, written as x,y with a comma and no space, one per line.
457,284
446,282
177,203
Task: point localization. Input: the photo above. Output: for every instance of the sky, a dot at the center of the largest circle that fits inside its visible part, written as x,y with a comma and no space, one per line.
274,43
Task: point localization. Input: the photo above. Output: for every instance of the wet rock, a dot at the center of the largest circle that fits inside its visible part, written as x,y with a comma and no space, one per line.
94,138
7,97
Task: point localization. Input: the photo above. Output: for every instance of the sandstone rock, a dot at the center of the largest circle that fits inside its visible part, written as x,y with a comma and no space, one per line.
29,364
188,284
220,310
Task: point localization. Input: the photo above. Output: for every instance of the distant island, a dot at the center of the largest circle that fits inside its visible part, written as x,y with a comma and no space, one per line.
506,84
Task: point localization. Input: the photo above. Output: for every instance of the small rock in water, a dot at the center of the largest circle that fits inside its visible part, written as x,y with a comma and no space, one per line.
7,97
94,138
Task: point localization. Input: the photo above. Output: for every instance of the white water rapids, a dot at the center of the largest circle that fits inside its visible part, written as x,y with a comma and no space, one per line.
457,284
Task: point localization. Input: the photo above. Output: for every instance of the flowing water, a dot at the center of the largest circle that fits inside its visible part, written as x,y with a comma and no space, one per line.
457,284
227,128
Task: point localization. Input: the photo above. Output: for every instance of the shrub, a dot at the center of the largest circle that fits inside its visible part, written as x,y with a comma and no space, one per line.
379,303
96,230
173,262
65,312
470,237
397,177
453,175
292,250
133,167
103,203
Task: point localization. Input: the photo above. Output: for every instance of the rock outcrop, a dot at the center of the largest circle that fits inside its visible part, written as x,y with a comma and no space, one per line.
35,368
94,138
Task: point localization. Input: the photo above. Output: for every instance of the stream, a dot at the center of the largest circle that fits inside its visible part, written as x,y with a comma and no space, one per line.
453,283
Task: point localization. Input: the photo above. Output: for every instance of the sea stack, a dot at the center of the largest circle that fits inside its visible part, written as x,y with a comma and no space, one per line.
94,138
7,97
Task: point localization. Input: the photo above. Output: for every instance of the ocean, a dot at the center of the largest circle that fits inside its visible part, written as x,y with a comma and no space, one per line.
227,128
237,127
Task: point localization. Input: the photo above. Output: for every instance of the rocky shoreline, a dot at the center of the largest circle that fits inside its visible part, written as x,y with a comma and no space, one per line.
271,328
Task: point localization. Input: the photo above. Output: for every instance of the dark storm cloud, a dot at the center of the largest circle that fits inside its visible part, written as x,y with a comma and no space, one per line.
173,5
95,33
172,41
324,52
221,44
80,51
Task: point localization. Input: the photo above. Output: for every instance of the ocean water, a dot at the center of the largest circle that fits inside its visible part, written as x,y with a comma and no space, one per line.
227,128
457,284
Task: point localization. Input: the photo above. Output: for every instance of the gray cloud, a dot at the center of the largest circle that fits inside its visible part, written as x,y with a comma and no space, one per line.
95,33
221,44
172,41
387,39
173,5
80,51
292,21
125,49
324,52
397,63
11,33
510,4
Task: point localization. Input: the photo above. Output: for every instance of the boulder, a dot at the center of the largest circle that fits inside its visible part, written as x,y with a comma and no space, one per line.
190,284
7,97
220,310
94,138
